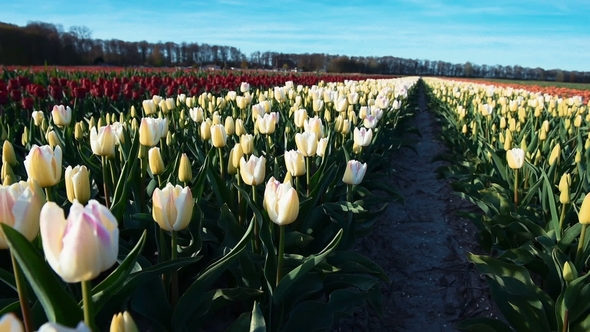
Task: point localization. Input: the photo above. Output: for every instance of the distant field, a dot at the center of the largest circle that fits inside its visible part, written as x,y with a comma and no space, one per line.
576,86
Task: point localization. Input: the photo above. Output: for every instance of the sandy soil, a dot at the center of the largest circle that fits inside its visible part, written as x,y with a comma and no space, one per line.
422,246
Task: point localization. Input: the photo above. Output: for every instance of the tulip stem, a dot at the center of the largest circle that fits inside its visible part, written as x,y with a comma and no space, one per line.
566,316
349,193
48,196
281,253
308,176
174,279
104,181
220,154
580,250
515,190
561,220
22,295
87,302
240,214
255,240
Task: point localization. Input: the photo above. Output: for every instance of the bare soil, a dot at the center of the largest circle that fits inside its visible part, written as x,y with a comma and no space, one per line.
422,246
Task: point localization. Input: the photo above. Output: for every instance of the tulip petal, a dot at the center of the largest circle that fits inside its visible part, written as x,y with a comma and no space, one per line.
53,225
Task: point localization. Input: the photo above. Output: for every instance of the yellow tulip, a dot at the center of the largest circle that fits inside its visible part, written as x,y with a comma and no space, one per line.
584,214
123,322
77,184
218,135
185,173
555,154
8,155
43,164
155,161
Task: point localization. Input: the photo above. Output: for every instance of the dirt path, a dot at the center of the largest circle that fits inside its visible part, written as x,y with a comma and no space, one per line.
422,247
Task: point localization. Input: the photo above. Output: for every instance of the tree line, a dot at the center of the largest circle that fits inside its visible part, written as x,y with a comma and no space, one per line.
40,43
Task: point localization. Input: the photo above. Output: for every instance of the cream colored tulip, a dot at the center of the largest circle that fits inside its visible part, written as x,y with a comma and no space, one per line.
62,115
43,164
77,184
103,142
295,162
172,207
306,143
515,158
354,173
20,206
281,202
253,170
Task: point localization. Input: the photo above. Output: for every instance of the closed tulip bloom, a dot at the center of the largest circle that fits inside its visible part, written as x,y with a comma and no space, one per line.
206,130
38,117
322,145
172,207
77,184
231,95
235,155
341,104
584,214
247,143
62,116
306,143
123,322
218,136
82,246
346,125
170,103
353,98
253,170
8,155
244,87
555,154
149,107
382,102
242,102
279,94
281,202
515,158
43,164
314,125
185,172
300,116
20,208
295,162
52,139
155,161
229,126
317,105
362,137
103,142
378,113
215,118
163,106
196,114
240,130
118,129
266,125
156,99
354,173
55,327
564,188
10,323
150,132
257,110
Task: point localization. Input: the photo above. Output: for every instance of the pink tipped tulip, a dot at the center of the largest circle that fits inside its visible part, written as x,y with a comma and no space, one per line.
62,116
355,172
82,246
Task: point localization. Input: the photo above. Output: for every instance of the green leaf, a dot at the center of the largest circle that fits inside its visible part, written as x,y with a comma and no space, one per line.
59,306
185,307
102,292
310,262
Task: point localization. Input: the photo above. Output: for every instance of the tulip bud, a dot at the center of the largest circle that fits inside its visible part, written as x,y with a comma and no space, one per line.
206,130
314,125
152,130
354,173
170,104
247,143
240,130
52,139
77,184
43,164
229,125
578,158
163,106
569,273
253,170
44,126
281,202
38,117
299,117
172,207
235,155
8,176
155,161
295,162
8,155
82,246
362,137
555,154
123,322
584,214
266,125
149,106
185,173
218,135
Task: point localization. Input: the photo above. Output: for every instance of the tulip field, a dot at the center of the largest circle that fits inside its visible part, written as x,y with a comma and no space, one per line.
522,158
191,201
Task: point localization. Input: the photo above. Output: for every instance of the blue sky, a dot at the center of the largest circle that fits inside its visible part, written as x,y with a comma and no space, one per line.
531,33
